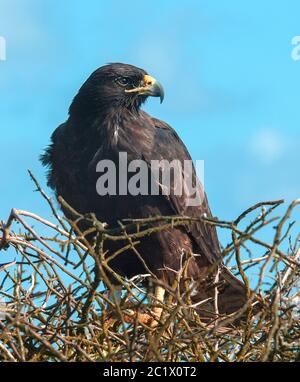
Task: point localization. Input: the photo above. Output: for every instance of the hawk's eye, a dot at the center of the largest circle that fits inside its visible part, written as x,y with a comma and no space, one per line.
123,81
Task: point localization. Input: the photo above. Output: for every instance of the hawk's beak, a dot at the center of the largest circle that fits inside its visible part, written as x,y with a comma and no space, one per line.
149,87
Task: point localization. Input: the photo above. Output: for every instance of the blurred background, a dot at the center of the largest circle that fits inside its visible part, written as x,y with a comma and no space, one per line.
232,87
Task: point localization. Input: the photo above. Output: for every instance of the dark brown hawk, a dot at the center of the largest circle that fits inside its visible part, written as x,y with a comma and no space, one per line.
105,118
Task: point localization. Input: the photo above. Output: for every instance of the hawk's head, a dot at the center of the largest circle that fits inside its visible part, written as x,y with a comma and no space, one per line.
116,85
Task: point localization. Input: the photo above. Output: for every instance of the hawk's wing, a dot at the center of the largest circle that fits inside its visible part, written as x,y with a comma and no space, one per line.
168,146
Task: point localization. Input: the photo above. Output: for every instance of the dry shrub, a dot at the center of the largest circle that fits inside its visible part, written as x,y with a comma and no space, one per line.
54,303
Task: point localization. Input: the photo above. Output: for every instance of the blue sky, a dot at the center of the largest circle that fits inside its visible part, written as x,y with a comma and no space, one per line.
232,88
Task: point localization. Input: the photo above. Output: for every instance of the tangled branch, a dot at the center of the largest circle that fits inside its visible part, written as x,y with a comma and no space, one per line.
58,303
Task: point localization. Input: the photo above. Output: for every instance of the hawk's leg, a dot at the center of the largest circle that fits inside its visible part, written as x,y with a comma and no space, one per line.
159,295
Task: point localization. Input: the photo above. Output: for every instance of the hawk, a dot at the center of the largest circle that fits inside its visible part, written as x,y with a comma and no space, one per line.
106,119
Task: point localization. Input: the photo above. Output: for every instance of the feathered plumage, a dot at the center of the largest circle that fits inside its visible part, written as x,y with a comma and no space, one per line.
105,118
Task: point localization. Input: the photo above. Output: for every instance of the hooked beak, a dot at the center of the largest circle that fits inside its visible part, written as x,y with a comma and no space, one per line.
150,87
